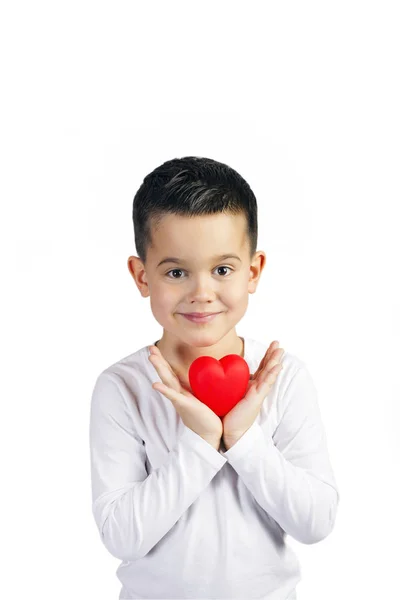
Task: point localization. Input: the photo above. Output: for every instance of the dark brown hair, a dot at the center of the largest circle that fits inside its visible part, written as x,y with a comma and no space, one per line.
191,186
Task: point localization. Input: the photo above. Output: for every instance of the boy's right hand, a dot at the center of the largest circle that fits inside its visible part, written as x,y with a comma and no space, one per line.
195,414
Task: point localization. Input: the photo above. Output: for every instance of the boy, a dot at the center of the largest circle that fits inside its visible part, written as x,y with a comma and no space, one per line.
196,505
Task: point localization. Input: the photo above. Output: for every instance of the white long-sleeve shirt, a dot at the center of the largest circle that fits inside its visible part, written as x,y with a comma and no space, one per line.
189,521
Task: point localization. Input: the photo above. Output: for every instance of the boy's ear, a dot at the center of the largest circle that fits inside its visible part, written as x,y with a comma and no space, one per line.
256,267
138,272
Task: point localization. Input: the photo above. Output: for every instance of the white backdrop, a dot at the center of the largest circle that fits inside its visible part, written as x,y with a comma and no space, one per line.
302,98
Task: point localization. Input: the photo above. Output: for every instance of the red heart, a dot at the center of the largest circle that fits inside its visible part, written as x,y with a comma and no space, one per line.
220,384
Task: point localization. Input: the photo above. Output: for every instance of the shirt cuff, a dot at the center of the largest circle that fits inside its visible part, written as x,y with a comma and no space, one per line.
203,448
253,439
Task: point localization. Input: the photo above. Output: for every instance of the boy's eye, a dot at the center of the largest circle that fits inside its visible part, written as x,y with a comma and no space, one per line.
180,270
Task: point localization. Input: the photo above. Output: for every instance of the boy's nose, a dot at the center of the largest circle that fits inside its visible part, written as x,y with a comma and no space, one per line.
202,290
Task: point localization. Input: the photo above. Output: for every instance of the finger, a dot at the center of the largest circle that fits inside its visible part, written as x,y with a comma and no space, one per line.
171,394
270,359
269,378
154,351
275,358
272,348
165,372
265,358
180,399
157,353
274,368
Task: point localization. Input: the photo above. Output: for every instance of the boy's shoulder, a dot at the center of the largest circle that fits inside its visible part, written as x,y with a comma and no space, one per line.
132,367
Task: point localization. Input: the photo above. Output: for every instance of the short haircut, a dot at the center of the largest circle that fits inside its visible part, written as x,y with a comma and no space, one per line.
191,186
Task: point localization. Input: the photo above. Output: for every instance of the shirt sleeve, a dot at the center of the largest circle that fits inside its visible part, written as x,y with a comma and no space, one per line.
134,510
289,473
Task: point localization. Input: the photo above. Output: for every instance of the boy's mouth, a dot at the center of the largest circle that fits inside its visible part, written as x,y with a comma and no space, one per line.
199,317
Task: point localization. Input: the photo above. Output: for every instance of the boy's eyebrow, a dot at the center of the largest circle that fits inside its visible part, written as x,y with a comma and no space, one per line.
172,259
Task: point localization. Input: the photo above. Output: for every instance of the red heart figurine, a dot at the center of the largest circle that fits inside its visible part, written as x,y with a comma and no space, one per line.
220,384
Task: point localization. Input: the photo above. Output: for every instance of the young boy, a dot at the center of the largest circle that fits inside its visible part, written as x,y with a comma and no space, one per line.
193,504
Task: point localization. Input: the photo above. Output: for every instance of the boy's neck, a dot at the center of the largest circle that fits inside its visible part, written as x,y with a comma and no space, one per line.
180,361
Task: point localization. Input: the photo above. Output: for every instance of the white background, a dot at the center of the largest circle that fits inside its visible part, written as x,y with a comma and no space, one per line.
302,98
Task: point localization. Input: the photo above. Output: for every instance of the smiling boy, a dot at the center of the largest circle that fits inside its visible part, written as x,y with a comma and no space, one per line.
198,506
198,265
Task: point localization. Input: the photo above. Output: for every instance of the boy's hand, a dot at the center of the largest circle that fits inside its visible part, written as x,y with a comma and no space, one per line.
238,420
194,413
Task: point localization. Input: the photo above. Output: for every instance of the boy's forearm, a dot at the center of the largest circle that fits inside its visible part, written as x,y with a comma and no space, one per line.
228,444
301,499
231,441
214,442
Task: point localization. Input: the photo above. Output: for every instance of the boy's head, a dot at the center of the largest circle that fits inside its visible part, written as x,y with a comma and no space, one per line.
195,210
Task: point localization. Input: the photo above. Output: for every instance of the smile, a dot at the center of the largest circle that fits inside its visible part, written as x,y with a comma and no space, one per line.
206,319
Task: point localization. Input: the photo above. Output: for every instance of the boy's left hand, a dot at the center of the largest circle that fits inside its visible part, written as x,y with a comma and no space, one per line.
242,416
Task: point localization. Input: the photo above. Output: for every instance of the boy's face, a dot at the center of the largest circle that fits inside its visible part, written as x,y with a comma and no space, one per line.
201,281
